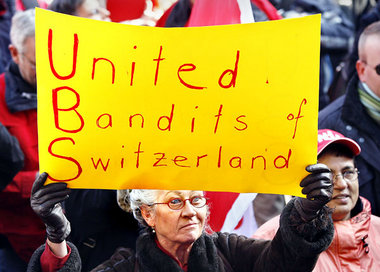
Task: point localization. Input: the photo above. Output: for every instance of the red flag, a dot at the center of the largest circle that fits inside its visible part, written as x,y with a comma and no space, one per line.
231,212
214,12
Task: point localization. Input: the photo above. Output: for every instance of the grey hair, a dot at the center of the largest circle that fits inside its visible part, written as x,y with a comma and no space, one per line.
22,28
132,200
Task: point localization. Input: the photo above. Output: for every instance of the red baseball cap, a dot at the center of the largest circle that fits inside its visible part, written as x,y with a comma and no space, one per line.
328,136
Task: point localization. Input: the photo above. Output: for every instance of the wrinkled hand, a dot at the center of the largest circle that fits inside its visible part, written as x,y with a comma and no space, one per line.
318,187
45,202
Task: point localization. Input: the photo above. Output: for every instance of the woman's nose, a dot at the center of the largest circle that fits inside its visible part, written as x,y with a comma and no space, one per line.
339,182
188,209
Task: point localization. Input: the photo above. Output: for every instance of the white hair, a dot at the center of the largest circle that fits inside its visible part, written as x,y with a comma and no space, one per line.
22,28
132,200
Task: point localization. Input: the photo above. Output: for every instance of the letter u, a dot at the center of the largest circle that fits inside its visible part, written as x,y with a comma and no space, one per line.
75,53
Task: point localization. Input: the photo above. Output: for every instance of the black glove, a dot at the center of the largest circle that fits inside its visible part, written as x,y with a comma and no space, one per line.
318,187
45,202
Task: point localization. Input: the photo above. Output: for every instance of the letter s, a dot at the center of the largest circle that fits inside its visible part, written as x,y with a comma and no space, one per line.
65,158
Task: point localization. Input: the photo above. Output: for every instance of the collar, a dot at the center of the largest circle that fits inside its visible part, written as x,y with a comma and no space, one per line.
183,267
19,94
368,90
203,256
350,241
358,208
370,101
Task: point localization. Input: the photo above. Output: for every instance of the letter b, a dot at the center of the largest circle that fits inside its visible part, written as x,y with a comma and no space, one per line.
73,108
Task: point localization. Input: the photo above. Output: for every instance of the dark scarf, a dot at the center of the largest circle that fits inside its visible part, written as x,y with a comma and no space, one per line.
358,208
203,256
19,94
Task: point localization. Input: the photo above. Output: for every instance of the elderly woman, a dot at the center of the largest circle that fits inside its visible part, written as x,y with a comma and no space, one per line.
175,239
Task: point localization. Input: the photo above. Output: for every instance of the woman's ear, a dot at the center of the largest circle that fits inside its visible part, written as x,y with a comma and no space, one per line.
148,215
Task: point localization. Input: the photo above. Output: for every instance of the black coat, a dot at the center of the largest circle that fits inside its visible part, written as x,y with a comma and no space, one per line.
292,249
11,157
98,225
348,116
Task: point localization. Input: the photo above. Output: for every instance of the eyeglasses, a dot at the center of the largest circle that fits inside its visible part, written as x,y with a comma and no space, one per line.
348,175
178,203
376,68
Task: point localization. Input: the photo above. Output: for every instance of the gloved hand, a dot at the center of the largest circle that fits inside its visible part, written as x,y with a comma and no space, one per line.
45,202
318,187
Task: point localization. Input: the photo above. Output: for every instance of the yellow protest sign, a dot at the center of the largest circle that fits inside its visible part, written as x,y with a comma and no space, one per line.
221,108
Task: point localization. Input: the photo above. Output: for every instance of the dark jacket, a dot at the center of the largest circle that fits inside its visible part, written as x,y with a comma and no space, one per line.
98,225
293,249
11,157
18,113
348,116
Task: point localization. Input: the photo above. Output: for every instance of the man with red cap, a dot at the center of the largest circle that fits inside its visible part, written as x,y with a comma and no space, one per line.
356,243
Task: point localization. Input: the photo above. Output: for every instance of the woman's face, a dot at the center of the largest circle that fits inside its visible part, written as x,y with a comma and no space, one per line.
346,193
182,226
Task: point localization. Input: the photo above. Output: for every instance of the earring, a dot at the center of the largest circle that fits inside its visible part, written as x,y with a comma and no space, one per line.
153,230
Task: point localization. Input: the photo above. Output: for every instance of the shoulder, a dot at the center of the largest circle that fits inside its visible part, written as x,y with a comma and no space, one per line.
331,112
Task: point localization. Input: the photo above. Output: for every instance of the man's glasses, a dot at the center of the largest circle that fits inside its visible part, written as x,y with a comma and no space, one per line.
376,68
179,203
31,63
349,175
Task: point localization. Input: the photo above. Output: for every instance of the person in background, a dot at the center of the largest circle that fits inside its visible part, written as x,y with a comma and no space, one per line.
356,244
83,8
174,238
347,68
20,229
11,157
357,114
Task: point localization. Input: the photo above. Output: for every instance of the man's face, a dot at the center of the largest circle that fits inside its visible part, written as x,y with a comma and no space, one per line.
346,193
369,59
26,60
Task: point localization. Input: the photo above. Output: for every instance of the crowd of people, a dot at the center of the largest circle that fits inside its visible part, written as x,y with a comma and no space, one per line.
333,229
